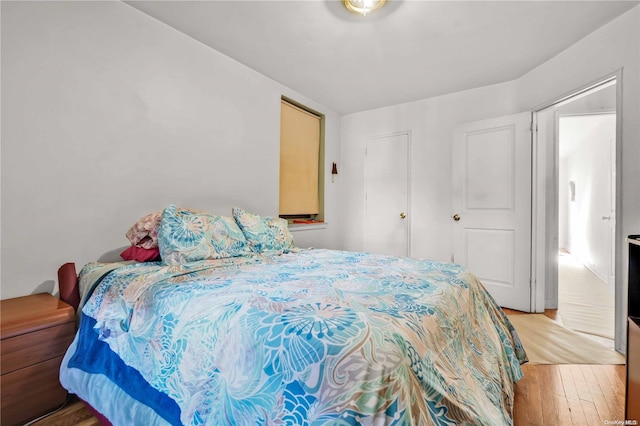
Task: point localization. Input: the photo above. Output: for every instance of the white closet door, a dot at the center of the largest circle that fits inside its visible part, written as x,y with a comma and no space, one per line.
491,215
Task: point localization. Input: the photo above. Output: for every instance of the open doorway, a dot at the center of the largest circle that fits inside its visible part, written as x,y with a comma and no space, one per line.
575,199
586,218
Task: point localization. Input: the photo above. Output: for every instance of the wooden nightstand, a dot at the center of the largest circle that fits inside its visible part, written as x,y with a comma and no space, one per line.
36,331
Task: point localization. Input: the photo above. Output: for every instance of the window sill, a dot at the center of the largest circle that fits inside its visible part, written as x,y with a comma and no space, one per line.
295,227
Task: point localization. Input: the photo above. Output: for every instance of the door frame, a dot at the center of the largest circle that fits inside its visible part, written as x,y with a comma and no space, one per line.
544,223
408,162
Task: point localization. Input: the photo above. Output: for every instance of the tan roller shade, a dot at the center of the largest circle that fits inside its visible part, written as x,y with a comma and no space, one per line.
299,157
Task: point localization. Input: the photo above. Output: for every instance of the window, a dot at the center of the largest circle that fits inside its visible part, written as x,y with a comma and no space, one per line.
301,162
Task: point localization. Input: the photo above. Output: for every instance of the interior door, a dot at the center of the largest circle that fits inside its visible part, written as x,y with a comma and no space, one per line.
492,206
386,185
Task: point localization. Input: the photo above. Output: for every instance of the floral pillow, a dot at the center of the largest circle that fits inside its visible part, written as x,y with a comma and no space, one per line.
144,233
188,236
268,235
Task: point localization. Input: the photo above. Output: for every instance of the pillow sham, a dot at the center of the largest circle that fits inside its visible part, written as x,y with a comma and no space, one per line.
188,236
141,254
267,235
144,233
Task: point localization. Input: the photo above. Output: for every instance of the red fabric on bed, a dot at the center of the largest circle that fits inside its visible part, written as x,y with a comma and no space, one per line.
141,254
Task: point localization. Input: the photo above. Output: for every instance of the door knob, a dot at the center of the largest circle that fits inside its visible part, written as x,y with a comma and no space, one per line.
402,215
456,217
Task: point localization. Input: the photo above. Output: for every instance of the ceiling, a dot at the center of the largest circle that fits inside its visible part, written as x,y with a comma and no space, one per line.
406,51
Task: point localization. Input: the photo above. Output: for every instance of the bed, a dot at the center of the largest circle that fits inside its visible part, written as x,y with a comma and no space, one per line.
295,336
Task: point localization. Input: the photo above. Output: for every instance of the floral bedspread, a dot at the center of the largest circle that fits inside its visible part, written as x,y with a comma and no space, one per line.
311,337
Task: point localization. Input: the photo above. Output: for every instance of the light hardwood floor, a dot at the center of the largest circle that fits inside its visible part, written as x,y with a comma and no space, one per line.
569,394
558,395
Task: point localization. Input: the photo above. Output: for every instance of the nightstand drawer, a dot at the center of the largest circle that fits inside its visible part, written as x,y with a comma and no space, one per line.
31,392
31,348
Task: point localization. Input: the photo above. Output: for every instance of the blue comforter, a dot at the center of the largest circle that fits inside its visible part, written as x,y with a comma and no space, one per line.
310,337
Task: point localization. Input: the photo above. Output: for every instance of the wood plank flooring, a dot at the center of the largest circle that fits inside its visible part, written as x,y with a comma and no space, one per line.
570,395
548,395
562,395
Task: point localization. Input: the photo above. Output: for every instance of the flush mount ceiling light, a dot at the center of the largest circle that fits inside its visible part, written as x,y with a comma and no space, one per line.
363,6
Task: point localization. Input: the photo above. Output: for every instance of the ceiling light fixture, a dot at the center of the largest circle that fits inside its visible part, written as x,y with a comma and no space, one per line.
363,6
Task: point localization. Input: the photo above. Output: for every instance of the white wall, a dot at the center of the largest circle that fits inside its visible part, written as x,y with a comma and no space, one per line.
431,123
108,114
99,101
432,120
612,47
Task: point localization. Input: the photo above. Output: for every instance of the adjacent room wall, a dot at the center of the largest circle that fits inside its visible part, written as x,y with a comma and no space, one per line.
107,115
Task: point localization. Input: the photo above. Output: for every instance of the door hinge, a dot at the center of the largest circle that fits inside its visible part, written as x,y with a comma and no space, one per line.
533,127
